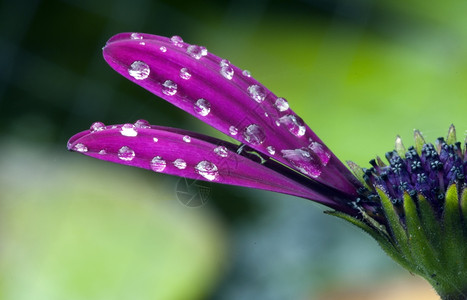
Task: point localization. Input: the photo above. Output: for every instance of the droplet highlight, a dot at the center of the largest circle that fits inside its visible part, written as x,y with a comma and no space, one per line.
221,151
187,139
294,124
257,93
177,41
254,135
246,73
97,126
136,36
271,150
196,51
139,70
179,164
80,148
304,161
323,154
128,130
158,164
142,124
233,130
227,71
281,104
185,73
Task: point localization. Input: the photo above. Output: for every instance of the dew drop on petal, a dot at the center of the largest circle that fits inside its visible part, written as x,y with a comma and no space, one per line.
323,154
136,36
177,41
196,51
224,62
202,107
155,139
304,161
207,169
163,49
128,130
257,93
186,138
142,124
126,153
179,164
294,125
254,135
80,148
271,150
246,73
281,104
102,152
169,88
185,73
97,126
221,151
233,130
139,70
158,164
227,71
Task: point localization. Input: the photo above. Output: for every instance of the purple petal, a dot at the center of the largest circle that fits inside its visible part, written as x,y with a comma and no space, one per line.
187,154
228,99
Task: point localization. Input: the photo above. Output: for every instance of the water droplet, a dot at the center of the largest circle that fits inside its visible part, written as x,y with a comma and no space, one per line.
227,72
271,150
246,73
80,148
304,161
126,153
257,93
185,73
102,152
155,140
97,126
139,70
294,125
323,154
142,43
186,138
142,124
163,49
202,107
233,130
169,88
281,104
266,114
128,130
196,51
179,164
254,135
224,62
158,164
221,151
177,41
136,36
207,169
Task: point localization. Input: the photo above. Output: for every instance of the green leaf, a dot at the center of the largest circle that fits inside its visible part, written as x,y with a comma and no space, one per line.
451,138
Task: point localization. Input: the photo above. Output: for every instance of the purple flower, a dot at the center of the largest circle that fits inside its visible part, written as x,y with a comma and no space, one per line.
278,151
415,207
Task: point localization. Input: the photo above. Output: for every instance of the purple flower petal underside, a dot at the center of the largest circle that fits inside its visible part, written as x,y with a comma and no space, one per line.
188,154
227,98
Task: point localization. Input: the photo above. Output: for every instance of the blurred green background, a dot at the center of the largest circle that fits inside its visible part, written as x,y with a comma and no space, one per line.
358,72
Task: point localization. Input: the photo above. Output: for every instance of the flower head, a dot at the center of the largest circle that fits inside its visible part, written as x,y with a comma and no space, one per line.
415,206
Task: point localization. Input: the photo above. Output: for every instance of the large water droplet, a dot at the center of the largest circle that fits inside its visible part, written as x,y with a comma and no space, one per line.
187,139
169,88
221,151
177,41
257,93
207,169
179,164
224,62
254,135
128,130
202,107
136,36
97,126
304,161
271,150
281,104
80,148
139,70
126,153
227,71
158,164
233,130
323,154
142,124
185,73
196,51
294,125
